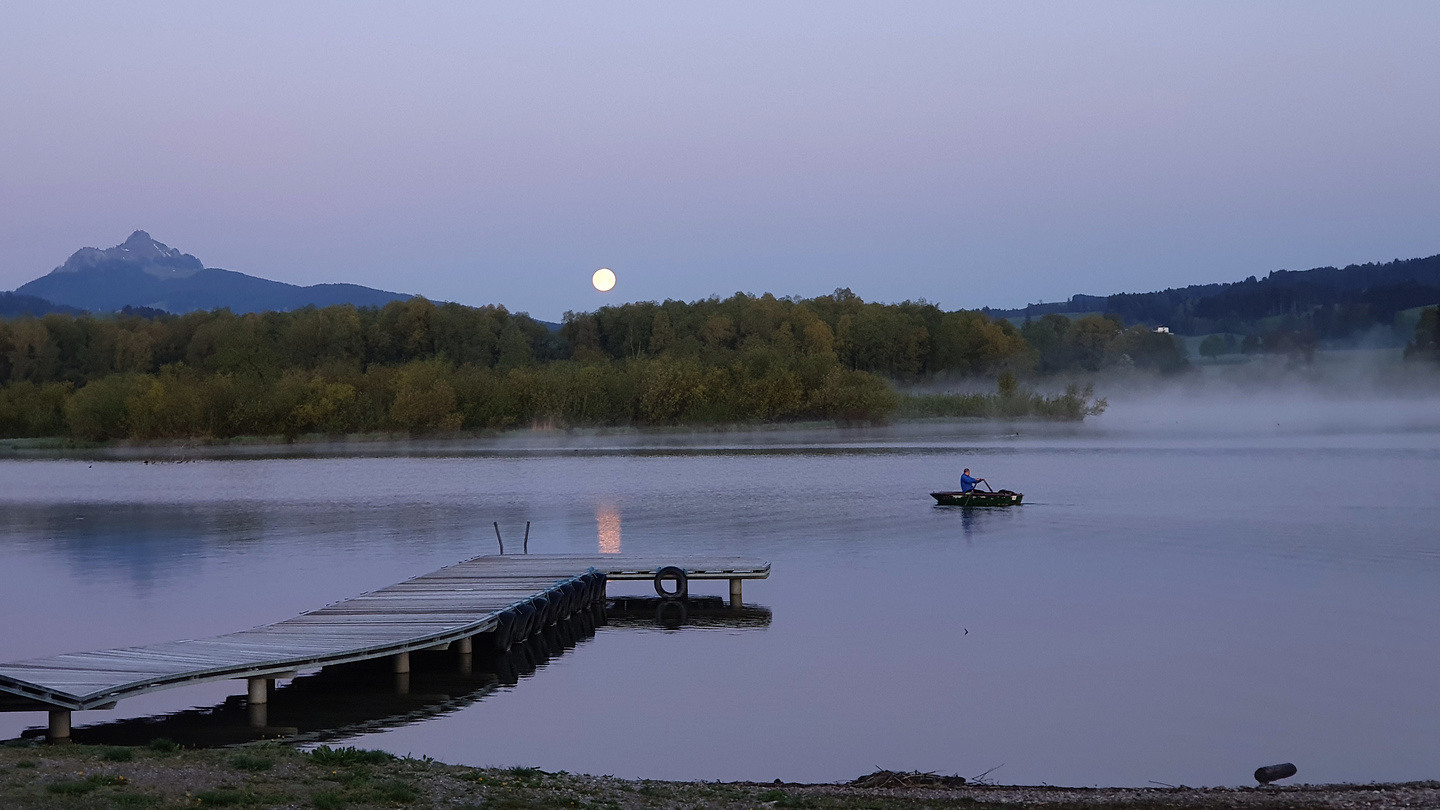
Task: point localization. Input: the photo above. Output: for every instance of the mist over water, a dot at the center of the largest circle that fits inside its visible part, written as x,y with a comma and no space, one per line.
1357,392
1214,575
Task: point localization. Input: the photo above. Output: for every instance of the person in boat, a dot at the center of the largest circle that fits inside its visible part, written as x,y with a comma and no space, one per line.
967,483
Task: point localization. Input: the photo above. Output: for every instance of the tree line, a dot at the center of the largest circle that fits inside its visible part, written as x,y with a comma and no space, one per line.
1327,302
419,366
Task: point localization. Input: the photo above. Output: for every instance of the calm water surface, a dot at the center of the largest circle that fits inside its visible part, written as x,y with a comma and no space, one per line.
1168,607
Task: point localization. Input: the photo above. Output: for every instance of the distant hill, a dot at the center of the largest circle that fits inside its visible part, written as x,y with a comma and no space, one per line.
142,272
15,306
1332,302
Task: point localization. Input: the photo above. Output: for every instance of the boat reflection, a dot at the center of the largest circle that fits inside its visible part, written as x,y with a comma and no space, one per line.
341,702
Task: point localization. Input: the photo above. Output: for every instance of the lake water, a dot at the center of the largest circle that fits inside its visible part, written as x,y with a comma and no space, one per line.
1174,602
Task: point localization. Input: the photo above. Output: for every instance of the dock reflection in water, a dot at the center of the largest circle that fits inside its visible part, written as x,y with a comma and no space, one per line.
673,614
342,702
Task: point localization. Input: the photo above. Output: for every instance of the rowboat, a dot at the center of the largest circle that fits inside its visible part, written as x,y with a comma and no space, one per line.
975,497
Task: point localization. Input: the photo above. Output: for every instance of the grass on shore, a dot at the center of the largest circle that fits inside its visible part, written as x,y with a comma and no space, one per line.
276,776
1073,405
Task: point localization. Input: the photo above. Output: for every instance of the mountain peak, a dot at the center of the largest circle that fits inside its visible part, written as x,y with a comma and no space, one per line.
141,272
139,250
138,241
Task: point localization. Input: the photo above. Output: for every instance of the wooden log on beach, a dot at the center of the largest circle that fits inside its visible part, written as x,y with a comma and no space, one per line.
1270,773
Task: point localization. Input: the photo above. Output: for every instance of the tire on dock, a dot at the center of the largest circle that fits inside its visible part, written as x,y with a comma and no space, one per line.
560,595
682,582
574,596
593,586
525,620
548,607
503,636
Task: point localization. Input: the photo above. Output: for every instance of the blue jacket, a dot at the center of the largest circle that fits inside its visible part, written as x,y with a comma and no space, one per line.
967,483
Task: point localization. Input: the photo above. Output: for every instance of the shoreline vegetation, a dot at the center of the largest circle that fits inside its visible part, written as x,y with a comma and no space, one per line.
133,409
273,776
431,370
1009,402
913,409
1073,405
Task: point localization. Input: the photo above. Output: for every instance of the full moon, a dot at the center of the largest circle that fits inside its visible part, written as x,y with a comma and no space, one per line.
604,279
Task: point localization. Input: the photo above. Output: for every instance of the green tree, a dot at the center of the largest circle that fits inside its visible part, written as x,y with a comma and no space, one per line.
1088,341
1046,336
669,390
424,400
1007,386
30,410
327,407
32,356
515,348
168,405
662,333
98,410
1427,335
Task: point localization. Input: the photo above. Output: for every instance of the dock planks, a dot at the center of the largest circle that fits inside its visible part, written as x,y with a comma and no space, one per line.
438,608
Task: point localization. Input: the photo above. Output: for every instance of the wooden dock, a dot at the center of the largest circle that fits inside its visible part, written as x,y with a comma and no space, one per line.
494,600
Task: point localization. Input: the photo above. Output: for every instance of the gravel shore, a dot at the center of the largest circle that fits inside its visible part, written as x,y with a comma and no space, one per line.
277,776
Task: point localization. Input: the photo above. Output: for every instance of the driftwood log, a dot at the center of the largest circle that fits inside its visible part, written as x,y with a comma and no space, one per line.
1270,773
899,779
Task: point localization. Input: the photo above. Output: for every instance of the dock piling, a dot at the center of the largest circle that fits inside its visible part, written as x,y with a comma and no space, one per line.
258,690
402,673
258,701
735,592
59,730
466,648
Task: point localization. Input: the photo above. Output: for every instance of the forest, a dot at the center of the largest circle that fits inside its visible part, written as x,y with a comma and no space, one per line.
1325,303
416,366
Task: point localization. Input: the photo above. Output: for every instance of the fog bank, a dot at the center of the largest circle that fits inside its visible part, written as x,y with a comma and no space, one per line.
1340,392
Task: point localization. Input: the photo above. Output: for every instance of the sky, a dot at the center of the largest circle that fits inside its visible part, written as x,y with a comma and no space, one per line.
971,154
